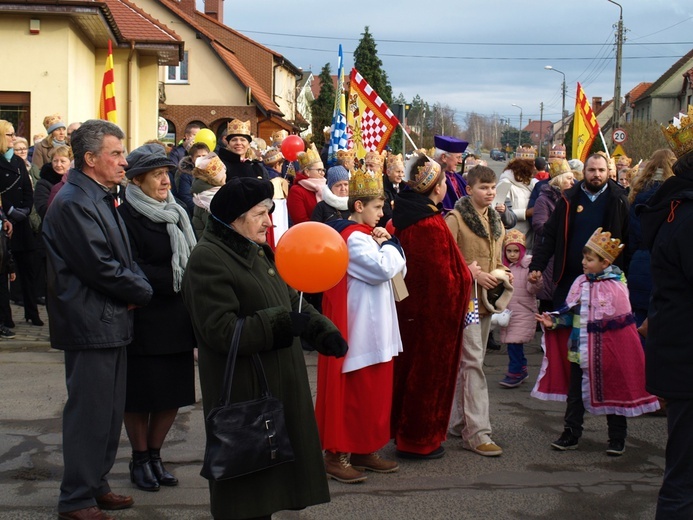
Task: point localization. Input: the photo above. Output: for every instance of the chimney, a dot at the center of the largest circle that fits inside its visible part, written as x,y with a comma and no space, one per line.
215,9
596,103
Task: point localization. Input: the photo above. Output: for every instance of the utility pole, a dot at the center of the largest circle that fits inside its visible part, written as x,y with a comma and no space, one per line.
541,127
617,80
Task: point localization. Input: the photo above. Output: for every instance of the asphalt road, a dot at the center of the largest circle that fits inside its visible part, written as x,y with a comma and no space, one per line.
529,481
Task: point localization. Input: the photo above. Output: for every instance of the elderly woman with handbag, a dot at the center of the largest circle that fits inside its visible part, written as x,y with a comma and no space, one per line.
231,276
160,364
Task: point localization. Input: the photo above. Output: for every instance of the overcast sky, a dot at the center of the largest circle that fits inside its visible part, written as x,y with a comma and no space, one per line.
481,56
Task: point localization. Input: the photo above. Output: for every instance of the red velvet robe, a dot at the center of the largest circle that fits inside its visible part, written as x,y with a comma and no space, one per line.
431,322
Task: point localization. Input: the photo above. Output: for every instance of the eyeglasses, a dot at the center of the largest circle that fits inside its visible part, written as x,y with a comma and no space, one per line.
11,135
20,149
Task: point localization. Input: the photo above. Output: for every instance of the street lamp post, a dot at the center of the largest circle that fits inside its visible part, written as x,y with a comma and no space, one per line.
519,133
549,67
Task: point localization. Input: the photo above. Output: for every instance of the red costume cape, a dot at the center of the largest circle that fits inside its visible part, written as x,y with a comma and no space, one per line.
353,409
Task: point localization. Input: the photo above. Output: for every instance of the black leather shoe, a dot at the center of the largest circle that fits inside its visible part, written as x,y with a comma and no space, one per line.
142,476
163,476
35,321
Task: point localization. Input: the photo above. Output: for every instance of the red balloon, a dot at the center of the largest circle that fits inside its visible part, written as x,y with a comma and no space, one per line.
311,257
291,146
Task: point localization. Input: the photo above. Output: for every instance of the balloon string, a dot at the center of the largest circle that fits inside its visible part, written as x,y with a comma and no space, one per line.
300,302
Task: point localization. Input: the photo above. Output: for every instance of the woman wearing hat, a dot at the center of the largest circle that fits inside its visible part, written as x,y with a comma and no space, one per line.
57,135
335,196
160,365
210,175
235,155
232,274
306,192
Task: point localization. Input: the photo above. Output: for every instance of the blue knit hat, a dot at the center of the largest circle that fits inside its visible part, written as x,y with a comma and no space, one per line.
336,174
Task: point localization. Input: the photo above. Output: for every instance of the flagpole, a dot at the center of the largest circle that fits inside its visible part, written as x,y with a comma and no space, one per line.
604,143
408,137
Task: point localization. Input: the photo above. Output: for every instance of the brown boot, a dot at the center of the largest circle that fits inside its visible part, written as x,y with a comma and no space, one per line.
373,462
338,467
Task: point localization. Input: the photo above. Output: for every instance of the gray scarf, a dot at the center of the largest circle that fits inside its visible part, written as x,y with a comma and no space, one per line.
177,226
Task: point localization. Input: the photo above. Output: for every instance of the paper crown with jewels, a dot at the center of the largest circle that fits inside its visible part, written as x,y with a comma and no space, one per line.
310,156
558,167
394,161
346,154
679,134
557,153
238,127
525,152
365,184
605,246
424,177
376,158
278,136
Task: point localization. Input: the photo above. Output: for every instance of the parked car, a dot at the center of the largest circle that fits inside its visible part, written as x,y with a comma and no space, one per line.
497,155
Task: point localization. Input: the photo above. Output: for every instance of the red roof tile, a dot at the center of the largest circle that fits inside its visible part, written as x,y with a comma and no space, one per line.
637,91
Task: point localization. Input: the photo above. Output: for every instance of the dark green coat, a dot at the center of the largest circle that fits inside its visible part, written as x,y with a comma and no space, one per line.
227,276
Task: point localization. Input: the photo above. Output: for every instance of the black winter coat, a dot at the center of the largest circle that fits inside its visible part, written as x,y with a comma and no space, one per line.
92,276
237,168
16,190
42,191
163,326
667,227
558,228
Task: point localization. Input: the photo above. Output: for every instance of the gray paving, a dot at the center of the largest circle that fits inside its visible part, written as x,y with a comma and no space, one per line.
529,481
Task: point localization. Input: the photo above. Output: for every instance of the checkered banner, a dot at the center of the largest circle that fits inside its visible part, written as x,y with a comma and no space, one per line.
370,119
472,316
340,136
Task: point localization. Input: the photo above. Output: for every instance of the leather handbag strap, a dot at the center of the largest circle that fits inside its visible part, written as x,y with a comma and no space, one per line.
231,365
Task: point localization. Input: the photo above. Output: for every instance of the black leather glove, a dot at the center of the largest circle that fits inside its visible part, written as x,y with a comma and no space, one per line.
299,322
334,345
18,214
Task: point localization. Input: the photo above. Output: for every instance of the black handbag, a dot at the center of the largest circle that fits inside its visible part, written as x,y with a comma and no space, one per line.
245,437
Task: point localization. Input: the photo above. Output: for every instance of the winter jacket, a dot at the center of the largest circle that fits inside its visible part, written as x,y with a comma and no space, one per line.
330,208
17,192
301,202
92,276
543,208
523,325
42,190
558,227
667,228
519,198
228,276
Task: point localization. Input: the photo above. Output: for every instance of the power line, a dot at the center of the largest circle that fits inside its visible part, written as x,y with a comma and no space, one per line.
489,44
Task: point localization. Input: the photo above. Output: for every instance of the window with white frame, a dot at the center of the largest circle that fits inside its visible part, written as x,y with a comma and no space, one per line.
178,74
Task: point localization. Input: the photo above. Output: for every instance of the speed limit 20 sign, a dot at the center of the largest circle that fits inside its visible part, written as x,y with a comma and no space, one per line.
619,136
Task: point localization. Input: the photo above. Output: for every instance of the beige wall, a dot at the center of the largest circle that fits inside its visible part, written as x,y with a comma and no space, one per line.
210,82
285,92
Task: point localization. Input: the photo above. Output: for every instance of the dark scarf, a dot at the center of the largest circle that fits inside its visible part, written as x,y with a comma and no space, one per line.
471,217
410,207
48,173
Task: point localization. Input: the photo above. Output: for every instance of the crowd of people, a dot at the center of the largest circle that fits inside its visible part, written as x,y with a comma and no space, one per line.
148,260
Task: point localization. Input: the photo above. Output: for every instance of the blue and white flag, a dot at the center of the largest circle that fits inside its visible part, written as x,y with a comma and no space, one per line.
339,135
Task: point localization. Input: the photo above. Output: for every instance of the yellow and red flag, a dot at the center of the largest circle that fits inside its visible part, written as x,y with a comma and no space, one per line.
368,117
107,103
585,126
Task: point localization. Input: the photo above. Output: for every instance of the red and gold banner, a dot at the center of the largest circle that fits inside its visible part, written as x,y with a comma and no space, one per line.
585,126
107,103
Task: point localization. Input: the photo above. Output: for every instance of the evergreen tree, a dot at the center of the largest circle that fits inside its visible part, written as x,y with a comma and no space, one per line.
366,61
322,107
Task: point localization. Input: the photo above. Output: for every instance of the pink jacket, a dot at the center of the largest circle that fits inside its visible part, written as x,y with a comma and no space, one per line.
522,325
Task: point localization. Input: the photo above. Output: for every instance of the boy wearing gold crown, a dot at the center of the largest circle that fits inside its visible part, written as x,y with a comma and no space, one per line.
606,360
354,395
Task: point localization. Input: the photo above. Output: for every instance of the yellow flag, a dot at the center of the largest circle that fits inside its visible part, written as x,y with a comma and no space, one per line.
585,126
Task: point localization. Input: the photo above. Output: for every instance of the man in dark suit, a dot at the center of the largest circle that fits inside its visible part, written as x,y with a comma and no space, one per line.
93,283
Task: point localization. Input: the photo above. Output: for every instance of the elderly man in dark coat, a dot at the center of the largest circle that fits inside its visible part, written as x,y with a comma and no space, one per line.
93,283
231,274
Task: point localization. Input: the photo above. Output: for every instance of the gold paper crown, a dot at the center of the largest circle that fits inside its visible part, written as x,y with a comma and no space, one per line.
310,156
679,134
525,152
327,131
394,161
365,184
375,157
272,156
624,161
211,169
513,236
605,246
558,167
238,127
557,152
278,136
426,176
346,154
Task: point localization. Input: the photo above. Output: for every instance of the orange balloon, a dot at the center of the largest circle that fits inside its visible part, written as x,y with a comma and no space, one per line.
311,257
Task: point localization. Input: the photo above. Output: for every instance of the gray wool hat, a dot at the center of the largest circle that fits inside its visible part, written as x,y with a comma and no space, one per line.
146,158
336,174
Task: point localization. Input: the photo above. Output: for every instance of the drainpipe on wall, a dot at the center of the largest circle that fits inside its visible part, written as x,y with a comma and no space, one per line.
129,109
